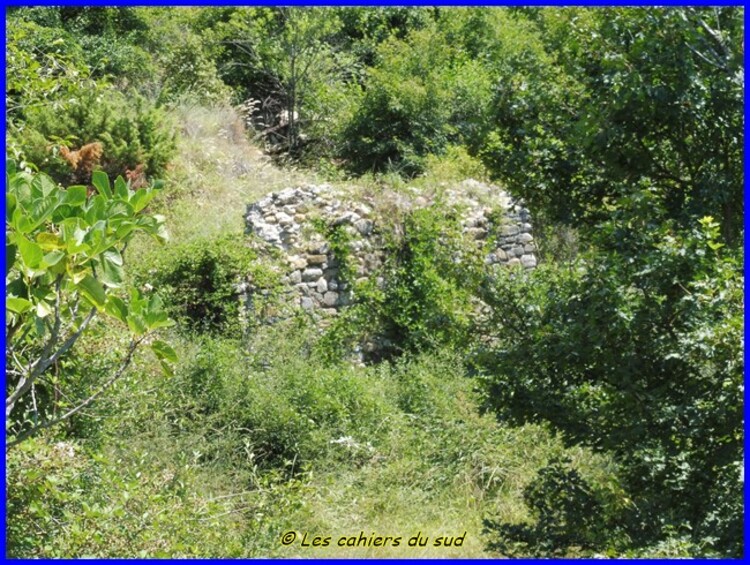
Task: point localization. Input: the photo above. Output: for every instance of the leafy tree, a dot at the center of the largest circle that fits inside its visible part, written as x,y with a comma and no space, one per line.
288,56
433,88
407,105
64,265
637,95
639,354
44,67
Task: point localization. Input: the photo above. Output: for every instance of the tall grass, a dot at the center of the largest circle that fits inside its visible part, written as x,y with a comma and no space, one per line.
250,439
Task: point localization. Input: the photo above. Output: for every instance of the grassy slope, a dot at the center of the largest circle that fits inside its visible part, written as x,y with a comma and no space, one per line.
216,174
436,466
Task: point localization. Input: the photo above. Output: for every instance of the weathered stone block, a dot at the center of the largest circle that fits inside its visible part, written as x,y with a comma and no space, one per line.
296,262
316,259
284,219
528,261
312,274
364,227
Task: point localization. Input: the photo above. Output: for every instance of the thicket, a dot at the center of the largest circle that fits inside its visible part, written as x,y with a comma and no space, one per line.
628,348
202,283
422,298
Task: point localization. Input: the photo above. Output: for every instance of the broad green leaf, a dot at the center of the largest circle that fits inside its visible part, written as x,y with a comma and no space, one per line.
154,314
111,268
10,205
53,258
68,228
141,199
43,309
49,241
95,210
120,208
162,234
136,323
167,368
155,304
160,320
101,181
121,188
97,238
17,305
41,209
137,302
20,221
93,290
77,274
164,351
116,308
31,253
43,185
75,195
123,228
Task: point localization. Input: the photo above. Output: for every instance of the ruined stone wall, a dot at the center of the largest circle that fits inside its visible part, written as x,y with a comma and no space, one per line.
288,222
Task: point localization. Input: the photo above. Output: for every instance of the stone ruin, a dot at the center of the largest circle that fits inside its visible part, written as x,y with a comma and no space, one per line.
283,224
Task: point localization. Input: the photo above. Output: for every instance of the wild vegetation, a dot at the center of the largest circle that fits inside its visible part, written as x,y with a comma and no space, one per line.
592,406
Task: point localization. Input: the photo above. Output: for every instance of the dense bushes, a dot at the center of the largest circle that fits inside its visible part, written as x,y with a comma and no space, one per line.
202,281
133,133
275,406
422,298
423,94
69,87
664,108
64,500
634,355
627,348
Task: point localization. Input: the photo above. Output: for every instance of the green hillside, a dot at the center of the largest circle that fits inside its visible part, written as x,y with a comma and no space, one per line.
158,403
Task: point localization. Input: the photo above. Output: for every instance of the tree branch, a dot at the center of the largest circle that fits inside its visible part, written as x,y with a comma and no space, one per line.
24,383
49,423
45,360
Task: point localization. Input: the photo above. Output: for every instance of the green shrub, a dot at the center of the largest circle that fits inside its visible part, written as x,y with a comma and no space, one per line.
431,273
568,515
425,93
200,282
63,501
190,73
135,134
120,59
273,405
454,165
637,353
44,67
